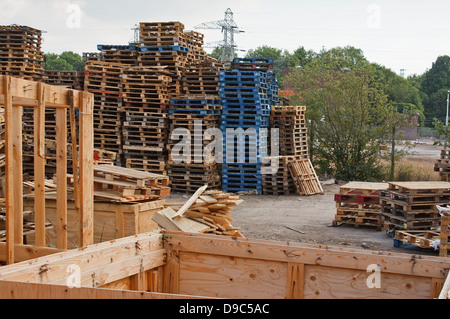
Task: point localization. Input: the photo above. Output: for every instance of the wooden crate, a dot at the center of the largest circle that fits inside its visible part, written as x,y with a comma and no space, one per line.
181,265
111,220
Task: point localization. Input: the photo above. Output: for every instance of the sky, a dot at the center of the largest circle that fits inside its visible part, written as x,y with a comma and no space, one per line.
398,34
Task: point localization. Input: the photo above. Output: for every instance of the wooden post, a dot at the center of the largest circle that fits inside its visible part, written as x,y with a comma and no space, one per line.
86,179
39,166
295,281
10,173
61,173
18,171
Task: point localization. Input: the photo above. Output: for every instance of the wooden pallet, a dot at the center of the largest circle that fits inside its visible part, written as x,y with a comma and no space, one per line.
421,239
305,177
445,233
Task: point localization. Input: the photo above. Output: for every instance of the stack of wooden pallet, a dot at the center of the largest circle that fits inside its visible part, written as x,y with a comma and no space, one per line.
442,166
255,64
202,77
195,42
358,204
123,54
412,205
2,152
69,79
431,240
145,127
206,212
280,182
194,116
20,52
105,81
124,185
293,134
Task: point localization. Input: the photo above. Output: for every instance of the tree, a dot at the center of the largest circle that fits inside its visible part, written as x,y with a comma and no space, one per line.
67,61
216,53
347,120
434,84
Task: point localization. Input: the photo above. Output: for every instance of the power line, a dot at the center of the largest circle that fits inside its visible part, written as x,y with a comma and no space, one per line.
229,29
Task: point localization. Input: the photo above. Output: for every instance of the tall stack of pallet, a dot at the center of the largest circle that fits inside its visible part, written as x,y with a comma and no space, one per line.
358,204
246,106
195,117
412,205
165,45
69,79
202,77
292,144
20,52
145,128
105,81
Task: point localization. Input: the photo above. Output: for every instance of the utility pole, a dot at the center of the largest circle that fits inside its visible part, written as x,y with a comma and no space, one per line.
229,29
136,35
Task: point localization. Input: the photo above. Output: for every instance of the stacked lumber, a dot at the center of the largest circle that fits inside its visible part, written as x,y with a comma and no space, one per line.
206,212
69,79
145,128
105,81
279,183
245,106
193,117
293,134
413,205
123,185
358,204
20,52
442,166
305,177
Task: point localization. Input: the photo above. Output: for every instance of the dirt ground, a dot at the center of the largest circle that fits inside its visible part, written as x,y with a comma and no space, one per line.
302,219
274,217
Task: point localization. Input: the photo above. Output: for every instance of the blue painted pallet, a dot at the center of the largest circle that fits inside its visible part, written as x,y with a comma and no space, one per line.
253,60
242,181
195,111
106,47
195,102
246,124
241,166
165,48
243,89
246,110
243,73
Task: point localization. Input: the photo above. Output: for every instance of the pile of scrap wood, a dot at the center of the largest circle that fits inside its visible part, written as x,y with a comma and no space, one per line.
124,185
205,212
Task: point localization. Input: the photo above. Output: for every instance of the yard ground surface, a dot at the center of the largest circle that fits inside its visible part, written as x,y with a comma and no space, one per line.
308,219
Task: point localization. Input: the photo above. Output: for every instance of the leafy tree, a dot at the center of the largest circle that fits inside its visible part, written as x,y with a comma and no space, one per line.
434,84
216,53
67,61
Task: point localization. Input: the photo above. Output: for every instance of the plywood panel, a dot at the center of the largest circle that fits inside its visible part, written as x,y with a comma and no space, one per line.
230,277
335,283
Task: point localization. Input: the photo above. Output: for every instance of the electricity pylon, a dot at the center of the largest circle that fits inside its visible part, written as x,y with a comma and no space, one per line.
229,29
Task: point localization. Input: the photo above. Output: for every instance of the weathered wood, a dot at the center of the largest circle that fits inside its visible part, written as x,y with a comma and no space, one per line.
86,142
9,171
61,173
18,170
190,202
295,281
25,252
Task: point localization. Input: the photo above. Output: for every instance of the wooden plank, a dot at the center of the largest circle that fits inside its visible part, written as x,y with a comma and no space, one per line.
190,202
171,273
26,252
61,173
86,170
73,137
18,169
26,93
39,167
295,281
9,171
19,290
